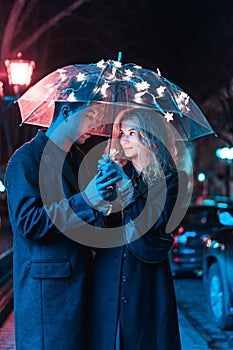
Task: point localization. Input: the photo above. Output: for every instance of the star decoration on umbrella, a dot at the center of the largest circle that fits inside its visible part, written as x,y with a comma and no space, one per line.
80,77
168,116
114,86
160,90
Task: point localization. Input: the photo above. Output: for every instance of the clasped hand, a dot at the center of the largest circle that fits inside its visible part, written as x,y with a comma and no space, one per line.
101,187
124,186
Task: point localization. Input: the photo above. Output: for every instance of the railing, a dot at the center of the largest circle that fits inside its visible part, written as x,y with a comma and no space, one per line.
6,284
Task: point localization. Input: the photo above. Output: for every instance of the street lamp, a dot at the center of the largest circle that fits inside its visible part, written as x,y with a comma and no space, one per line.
19,72
201,177
226,153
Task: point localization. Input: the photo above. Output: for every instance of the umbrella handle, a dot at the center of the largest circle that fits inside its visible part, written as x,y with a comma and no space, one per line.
119,56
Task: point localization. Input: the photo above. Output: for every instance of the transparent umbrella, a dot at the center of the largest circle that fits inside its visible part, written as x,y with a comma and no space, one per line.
114,86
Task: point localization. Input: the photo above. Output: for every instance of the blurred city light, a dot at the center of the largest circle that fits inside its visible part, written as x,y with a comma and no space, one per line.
224,153
2,186
201,177
19,71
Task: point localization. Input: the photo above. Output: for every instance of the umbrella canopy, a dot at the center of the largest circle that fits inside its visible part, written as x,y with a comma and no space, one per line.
114,86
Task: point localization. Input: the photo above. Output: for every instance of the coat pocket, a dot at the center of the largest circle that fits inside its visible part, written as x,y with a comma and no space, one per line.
41,269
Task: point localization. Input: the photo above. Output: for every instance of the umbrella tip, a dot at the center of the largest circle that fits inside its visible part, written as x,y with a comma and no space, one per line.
119,56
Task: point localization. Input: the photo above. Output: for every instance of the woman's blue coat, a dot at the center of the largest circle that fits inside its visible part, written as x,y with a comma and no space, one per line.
133,305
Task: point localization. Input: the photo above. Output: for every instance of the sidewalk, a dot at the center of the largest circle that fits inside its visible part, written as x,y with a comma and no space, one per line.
190,338
7,334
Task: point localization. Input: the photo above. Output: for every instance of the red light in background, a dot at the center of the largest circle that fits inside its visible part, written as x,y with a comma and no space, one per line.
180,230
19,71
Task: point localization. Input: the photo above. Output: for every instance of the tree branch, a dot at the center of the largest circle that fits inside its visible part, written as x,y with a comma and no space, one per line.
26,13
9,32
52,22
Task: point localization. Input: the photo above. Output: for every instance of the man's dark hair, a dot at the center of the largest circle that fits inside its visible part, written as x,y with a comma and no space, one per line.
72,105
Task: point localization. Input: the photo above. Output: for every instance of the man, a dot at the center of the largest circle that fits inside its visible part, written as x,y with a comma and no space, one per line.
51,271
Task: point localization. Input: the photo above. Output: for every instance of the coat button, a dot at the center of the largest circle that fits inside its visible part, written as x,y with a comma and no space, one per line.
124,278
124,300
124,255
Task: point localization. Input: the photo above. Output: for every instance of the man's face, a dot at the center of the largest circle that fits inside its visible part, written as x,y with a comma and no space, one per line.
83,121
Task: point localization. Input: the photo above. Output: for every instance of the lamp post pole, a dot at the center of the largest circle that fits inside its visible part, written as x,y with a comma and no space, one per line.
228,177
226,153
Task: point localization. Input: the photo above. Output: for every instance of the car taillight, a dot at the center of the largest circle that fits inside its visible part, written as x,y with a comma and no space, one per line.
207,242
180,239
180,230
178,236
214,244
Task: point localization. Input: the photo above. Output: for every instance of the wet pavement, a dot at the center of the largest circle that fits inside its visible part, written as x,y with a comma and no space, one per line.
192,304
7,334
190,338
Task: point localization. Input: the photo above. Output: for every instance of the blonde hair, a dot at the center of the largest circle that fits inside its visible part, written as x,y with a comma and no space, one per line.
158,155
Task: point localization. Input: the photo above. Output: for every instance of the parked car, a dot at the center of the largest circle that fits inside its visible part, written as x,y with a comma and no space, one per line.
217,276
189,238
220,201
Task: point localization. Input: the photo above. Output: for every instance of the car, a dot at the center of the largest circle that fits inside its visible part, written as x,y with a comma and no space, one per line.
217,276
189,239
220,201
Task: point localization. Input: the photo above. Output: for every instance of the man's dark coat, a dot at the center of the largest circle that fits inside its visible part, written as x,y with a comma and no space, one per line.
51,271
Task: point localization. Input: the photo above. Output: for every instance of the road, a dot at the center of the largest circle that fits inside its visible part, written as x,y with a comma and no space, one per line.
192,304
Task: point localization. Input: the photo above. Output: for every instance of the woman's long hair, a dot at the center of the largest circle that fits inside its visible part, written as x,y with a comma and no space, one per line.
158,155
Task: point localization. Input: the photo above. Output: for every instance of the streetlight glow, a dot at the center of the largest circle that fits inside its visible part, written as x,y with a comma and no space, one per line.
201,177
225,153
2,186
19,71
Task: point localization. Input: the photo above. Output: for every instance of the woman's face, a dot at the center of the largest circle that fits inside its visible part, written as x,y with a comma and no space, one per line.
129,138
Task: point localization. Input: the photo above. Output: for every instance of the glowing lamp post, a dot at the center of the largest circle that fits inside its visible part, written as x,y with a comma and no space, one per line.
19,73
201,177
226,153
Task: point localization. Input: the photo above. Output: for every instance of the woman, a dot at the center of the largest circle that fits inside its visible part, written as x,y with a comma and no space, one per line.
133,304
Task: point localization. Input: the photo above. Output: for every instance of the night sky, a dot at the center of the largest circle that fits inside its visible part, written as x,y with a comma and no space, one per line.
190,42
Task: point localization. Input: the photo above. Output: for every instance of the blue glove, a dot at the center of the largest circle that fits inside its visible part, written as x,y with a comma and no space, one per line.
100,189
124,186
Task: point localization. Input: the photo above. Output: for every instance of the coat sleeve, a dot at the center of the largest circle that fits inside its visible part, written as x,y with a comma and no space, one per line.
28,215
146,219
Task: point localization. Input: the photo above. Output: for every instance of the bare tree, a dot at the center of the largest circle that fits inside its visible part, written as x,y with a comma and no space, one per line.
19,14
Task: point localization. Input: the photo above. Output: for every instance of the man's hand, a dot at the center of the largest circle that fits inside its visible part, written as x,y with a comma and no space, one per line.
101,187
124,185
